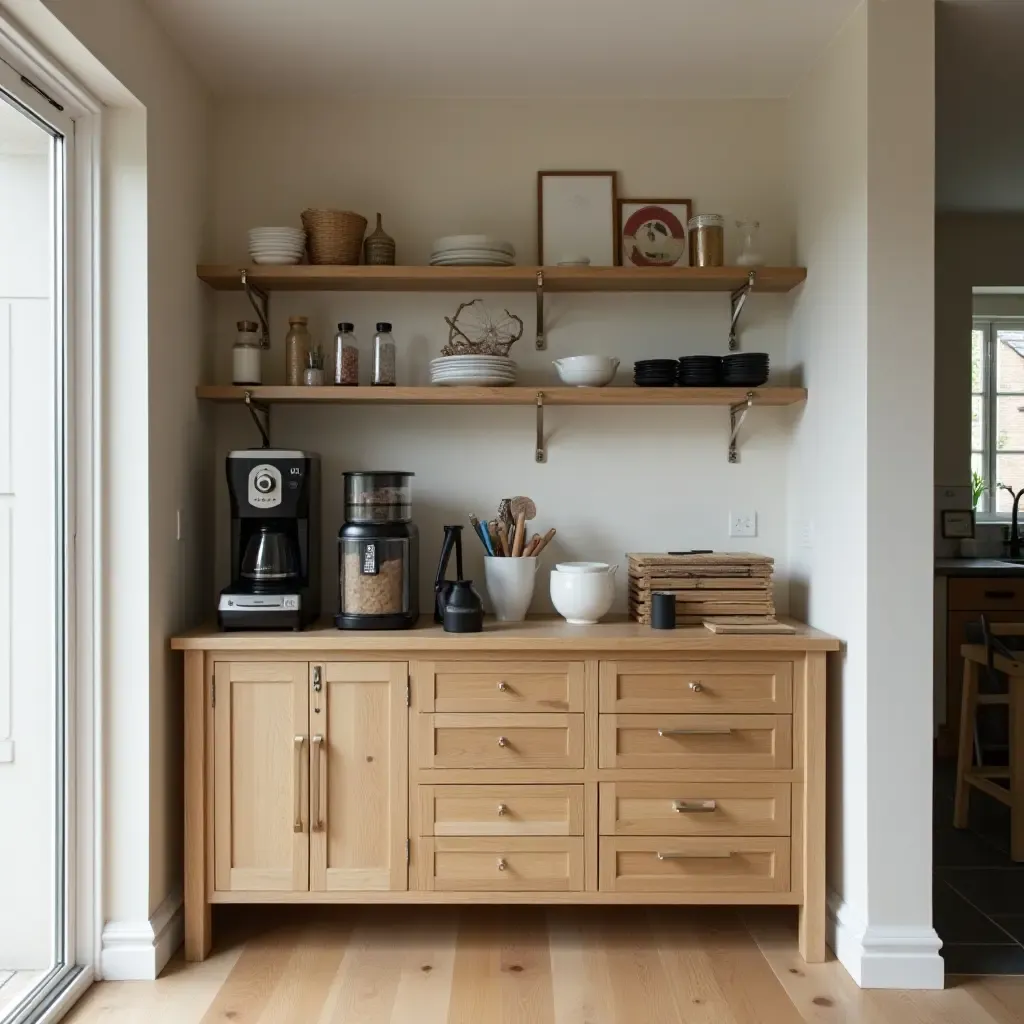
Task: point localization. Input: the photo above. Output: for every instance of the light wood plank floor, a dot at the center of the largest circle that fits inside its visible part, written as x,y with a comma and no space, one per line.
524,965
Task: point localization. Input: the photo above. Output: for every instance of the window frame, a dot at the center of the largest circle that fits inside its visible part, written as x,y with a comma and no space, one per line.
990,395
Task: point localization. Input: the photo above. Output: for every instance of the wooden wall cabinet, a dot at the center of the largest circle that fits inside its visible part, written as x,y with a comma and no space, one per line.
544,764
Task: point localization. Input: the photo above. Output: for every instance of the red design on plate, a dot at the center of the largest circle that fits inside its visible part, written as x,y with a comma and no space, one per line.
653,236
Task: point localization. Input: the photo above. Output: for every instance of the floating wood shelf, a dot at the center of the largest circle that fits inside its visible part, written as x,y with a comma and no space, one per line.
500,279
739,401
503,396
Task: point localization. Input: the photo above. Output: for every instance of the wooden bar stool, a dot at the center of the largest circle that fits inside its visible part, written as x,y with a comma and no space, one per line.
992,657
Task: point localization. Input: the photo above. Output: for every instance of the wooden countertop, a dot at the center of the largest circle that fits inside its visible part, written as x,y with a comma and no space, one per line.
612,636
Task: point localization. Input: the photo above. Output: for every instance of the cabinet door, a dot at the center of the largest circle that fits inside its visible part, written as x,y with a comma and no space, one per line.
359,732
261,713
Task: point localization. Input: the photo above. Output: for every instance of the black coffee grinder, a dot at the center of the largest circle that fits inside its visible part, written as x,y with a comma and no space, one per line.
456,603
275,540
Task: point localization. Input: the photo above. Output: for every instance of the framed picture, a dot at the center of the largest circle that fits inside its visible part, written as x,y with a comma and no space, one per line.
957,524
576,218
654,232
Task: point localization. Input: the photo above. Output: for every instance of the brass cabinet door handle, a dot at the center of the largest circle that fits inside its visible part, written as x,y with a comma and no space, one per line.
693,856
317,746
693,806
299,743
695,732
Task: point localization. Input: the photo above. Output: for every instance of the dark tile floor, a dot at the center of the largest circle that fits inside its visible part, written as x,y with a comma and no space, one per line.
977,891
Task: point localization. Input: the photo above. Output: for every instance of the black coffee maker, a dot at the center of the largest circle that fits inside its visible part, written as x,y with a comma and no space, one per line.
275,540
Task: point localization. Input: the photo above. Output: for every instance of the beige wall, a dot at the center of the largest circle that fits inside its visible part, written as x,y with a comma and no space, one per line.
616,480
971,250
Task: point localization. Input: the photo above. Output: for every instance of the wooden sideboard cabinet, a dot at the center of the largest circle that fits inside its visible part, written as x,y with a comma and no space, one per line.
535,763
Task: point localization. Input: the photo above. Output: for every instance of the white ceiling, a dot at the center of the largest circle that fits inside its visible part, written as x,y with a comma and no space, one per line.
979,96
622,48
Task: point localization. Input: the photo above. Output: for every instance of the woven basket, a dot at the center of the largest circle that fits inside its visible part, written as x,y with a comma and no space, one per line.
334,236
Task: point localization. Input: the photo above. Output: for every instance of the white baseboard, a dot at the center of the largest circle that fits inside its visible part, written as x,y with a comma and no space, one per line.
884,956
139,950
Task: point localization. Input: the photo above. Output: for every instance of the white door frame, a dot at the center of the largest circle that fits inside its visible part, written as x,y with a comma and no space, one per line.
81,123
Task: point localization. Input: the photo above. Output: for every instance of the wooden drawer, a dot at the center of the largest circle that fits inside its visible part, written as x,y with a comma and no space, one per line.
501,865
695,809
500,741
696,741
701,687
986,595
530,686
662,864
501,810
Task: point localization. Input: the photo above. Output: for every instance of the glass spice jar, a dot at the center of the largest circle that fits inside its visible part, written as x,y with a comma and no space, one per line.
384,369
346,356
246,354
297,345
707,240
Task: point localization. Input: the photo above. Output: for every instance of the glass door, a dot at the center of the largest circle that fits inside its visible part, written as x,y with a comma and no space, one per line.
36,958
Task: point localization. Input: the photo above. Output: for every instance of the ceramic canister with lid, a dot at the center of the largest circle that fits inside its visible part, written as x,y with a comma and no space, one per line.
583,592
247,354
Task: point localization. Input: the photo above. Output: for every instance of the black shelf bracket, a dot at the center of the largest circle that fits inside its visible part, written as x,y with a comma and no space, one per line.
542,342
540,453
260,413
260,301
737,414
737,301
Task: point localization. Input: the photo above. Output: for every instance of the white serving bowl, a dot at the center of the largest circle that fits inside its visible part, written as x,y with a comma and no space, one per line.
583,597
586,371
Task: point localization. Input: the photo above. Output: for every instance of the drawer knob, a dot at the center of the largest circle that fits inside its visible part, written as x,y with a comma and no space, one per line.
693,806
697,686
502,741
502,864
503,686
502,809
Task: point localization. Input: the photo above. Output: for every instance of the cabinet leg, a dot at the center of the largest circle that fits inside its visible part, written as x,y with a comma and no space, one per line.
965,750
811,932
197,909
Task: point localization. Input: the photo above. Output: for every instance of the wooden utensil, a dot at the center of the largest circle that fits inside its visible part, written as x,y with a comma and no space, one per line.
524,505
520,538
506,550
532,546
544,541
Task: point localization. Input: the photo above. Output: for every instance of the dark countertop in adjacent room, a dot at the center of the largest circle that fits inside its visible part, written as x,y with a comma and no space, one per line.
976,567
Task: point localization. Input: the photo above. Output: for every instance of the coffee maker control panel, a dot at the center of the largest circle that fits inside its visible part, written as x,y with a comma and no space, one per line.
264,486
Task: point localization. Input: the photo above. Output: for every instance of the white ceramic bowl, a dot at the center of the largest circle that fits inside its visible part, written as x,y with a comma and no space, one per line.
586,371
582,598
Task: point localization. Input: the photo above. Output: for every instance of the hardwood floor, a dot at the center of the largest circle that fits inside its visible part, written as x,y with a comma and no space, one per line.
524,965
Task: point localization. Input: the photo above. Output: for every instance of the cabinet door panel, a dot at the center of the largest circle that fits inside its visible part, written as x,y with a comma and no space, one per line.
359,802
261,841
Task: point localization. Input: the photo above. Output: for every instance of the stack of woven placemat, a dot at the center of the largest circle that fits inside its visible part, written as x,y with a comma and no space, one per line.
715,586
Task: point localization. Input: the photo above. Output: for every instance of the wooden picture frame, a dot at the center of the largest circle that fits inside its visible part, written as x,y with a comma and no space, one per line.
569,193
674,224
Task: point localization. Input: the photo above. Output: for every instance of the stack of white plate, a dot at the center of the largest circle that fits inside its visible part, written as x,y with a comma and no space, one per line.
277,246
472,251
473,371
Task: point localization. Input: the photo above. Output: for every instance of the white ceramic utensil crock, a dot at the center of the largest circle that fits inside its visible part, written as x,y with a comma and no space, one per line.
510,583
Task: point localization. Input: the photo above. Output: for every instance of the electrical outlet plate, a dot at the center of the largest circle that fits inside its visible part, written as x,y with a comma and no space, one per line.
743,524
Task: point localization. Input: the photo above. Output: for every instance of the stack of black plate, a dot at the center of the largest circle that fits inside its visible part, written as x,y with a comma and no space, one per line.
745,369
700,371
655,373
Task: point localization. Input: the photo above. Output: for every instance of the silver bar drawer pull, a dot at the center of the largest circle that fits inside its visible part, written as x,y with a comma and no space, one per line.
693,856
693,806
695,732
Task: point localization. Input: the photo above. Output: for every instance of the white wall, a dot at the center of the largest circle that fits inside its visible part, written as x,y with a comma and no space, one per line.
155,140
863,145
616,480
27,562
